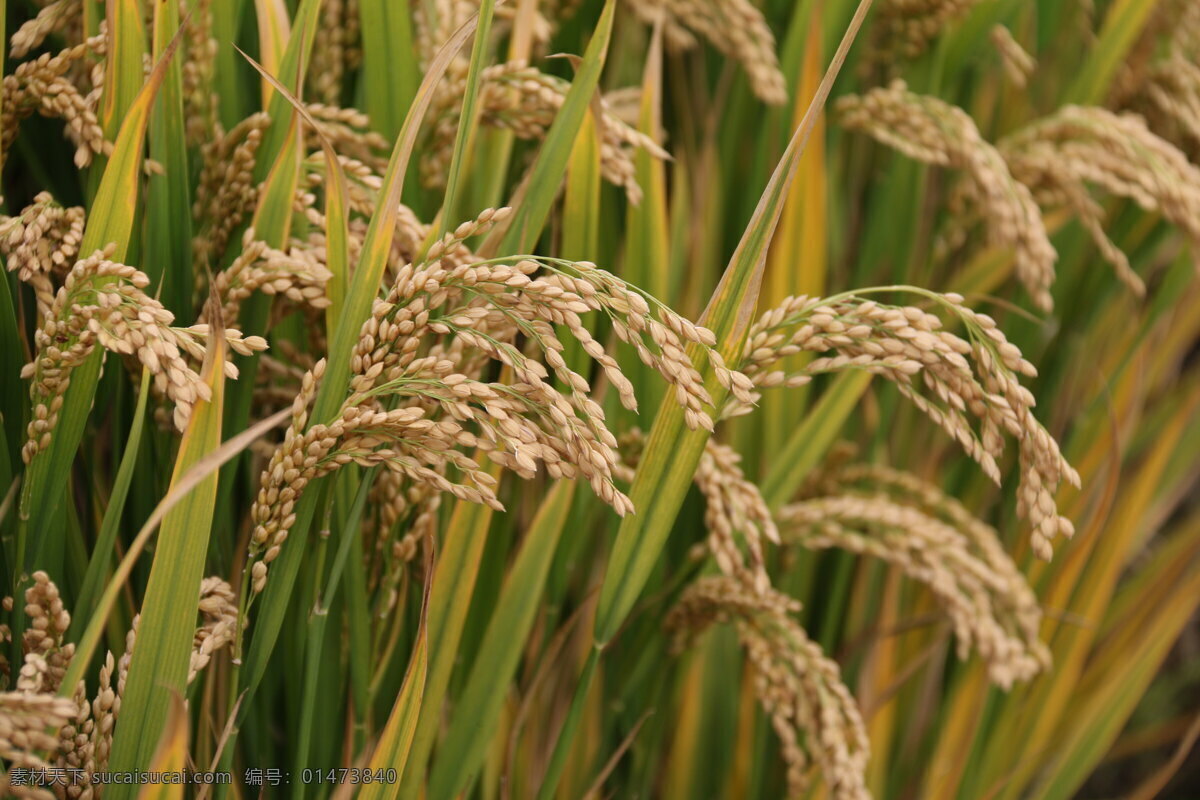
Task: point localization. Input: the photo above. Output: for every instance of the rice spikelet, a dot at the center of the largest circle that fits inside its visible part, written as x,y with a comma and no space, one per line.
218,627
24,719
44,85
298,274
736,516
41,243
60,16
1018,64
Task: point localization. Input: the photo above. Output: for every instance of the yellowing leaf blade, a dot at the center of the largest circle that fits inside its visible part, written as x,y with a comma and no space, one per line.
161,660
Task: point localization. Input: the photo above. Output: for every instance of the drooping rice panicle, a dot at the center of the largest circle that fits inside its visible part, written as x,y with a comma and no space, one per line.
44,86
59,16
198,70
930,130
736,516
1062,156
433,408
975,392
103,303
990,604
445,590
25,718
910,25
520,98
226,191
799,687
41,243
298,274
735,27
219,621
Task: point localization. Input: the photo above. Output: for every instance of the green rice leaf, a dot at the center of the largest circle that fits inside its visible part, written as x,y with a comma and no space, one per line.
168,260
123,68
391,72
809,442
12,407
647,240
468,116
477,711
394,745
581,216
227,23
97,571
1122,25
181,489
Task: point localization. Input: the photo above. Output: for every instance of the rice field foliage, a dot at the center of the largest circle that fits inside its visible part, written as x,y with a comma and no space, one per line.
600,398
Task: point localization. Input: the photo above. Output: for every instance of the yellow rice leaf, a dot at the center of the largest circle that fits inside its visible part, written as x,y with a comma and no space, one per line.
392,749
876,680
274,29
160,663
679,775
797,261
171,756
1111,687
1051,693
956,734
123,66
449,600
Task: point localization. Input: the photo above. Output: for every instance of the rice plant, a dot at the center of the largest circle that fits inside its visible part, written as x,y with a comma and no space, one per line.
599,398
